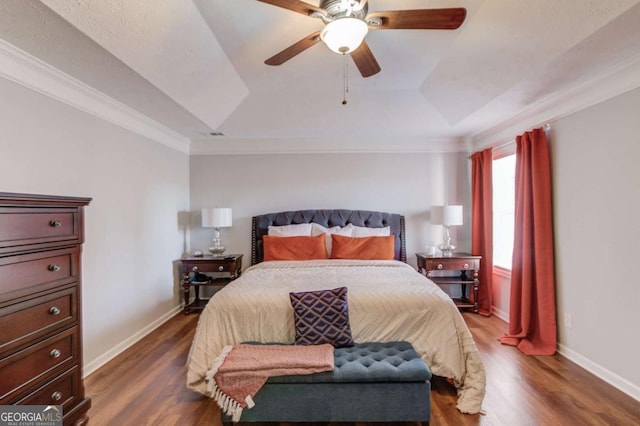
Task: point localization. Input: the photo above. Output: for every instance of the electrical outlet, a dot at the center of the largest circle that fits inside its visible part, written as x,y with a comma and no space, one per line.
567,320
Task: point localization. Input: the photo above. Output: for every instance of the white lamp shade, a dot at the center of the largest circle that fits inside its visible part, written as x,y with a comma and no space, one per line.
446,215
216,218
344,35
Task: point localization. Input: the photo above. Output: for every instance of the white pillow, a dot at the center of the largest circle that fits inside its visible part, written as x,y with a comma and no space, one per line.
317,229
297,230
361,231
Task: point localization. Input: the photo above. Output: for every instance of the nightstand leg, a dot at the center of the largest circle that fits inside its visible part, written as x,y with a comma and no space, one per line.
476,281
197,291
186,291
463,277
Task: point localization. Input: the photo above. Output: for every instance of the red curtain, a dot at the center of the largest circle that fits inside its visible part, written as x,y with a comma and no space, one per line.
482,224
532,311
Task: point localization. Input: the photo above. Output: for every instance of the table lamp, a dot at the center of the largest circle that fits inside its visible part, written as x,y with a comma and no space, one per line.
216,218
446,216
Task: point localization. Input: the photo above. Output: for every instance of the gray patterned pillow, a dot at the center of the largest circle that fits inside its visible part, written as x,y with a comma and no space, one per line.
322,317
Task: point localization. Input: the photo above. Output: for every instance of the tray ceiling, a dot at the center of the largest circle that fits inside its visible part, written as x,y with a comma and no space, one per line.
197,66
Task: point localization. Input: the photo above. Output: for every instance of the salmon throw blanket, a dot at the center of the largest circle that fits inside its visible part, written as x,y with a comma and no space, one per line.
241,370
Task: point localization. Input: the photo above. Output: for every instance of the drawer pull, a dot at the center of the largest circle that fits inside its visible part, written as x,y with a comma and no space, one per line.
53,267
466,266
55,354
56,396
220,268
440,266
54,310
55,223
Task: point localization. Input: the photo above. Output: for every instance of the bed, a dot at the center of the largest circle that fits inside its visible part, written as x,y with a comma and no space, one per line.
388,301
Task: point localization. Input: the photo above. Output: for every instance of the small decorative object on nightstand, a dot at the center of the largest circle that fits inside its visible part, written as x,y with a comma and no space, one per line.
193,269
466,264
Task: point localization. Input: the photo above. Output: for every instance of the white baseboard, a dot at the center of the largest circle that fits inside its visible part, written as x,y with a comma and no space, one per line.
125,344
597,370
504,316
613,379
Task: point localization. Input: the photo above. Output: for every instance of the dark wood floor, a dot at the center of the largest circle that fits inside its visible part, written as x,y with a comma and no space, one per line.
145,385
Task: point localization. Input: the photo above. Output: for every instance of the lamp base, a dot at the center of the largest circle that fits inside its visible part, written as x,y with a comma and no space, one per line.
446,247
447,251
217,251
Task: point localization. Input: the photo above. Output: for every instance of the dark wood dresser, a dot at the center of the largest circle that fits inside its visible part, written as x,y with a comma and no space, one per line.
40,314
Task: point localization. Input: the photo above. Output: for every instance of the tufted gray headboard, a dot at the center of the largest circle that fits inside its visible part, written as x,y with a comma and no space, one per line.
328,218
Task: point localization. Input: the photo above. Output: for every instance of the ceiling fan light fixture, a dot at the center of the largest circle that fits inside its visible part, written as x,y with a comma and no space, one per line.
344,35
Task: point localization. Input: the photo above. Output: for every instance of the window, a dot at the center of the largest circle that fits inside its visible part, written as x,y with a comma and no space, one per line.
504,178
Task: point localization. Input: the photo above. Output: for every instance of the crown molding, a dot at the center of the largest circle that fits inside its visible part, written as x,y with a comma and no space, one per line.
620,79
336,145
30,72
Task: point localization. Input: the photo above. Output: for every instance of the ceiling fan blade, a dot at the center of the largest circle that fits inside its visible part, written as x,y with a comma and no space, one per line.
365,61
296,6
294,49
420,19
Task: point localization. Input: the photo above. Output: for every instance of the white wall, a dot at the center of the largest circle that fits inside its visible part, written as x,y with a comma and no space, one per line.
133,235
596,174
406,183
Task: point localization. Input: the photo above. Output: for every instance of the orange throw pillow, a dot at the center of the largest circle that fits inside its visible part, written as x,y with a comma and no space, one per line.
365,248
294,248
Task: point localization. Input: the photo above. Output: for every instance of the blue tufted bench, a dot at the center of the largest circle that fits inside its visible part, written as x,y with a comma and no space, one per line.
371,382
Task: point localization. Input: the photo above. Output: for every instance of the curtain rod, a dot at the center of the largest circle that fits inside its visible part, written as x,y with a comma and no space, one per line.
546,127
511,142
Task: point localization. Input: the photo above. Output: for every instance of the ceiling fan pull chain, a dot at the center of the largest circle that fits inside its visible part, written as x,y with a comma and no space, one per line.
345,79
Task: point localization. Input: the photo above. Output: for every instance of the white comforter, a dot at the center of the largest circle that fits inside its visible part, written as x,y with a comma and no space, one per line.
388,301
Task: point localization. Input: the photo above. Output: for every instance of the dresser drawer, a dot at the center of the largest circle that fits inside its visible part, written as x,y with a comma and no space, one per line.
209,264
31,225
26,272
33,318
63,390
37,363
440,264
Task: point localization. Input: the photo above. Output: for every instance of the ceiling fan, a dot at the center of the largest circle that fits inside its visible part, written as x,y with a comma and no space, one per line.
348,21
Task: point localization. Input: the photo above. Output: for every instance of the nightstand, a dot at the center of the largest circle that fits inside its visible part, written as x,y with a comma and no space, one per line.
229,267
466,264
